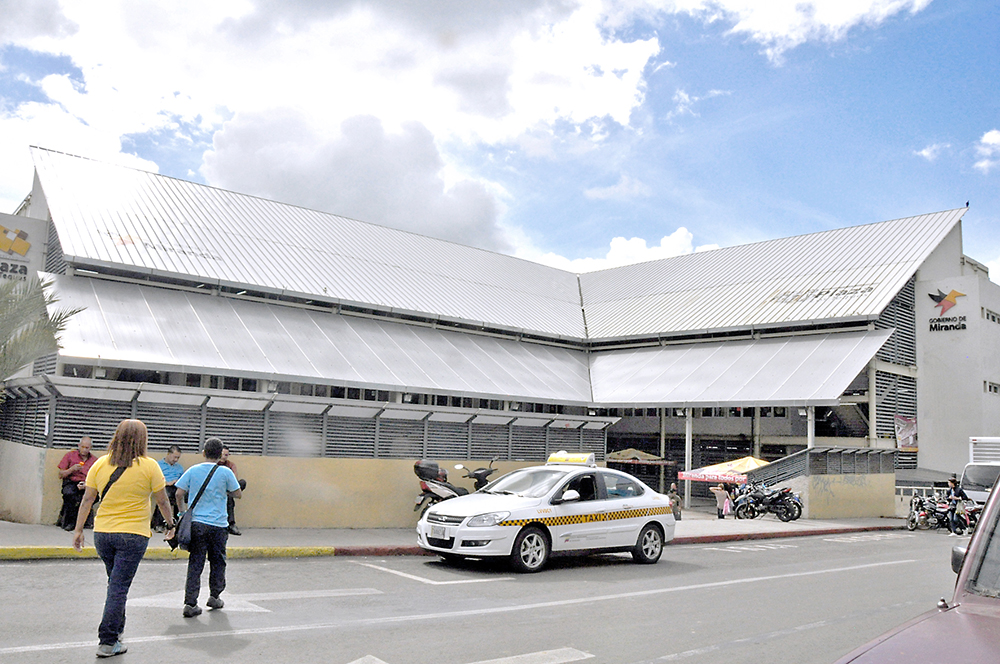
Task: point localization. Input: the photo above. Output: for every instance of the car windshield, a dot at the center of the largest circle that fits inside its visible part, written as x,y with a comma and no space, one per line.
980,478
530,482
985,580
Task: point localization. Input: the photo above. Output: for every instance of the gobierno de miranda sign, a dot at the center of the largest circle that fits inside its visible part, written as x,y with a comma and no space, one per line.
944,323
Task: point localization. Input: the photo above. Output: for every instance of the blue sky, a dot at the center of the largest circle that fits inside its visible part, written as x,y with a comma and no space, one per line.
581,134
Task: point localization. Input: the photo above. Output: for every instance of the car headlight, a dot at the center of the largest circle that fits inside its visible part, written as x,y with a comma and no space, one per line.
489,519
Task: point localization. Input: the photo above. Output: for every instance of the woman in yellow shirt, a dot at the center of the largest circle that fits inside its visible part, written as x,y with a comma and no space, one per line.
121,526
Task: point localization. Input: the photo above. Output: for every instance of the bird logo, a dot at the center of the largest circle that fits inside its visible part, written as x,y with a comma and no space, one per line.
946,302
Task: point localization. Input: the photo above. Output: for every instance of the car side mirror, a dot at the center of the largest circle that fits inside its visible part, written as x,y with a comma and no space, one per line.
569,496
957,558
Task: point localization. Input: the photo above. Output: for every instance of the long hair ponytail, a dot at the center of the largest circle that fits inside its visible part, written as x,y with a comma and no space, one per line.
128,443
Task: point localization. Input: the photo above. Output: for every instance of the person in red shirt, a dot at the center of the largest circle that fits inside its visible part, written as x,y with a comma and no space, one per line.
73,470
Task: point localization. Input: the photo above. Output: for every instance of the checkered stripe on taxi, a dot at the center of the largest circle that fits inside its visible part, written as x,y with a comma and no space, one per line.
588,518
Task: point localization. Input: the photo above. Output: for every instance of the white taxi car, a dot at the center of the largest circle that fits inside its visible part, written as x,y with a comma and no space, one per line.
567,506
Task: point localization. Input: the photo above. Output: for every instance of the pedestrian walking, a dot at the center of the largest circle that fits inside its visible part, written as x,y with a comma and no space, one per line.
124,478
211,483
675,501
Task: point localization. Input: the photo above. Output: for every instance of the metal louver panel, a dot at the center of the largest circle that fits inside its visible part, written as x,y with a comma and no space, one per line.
350,437
171,426
54,261
294,434
97,418
24,421
901,314
44,365
596,441
400,439
528,444
447,440
489,440
241,430
895,395
564,439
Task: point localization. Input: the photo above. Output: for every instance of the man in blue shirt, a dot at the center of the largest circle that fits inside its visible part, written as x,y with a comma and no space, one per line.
172,471
209,525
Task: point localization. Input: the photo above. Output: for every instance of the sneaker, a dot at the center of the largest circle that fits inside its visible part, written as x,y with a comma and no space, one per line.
111,649
233,530
191,610
215,603
952,535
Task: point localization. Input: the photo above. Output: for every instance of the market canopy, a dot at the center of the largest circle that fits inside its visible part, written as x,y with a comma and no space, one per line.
727,471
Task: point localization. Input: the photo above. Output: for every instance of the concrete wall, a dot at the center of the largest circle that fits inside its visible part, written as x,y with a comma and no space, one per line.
845,496
282,492
22,470
955,366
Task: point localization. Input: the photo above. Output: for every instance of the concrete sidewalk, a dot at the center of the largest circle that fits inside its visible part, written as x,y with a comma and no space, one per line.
35,542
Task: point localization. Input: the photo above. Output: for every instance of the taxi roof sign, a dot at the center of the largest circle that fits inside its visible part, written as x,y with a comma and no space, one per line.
581,458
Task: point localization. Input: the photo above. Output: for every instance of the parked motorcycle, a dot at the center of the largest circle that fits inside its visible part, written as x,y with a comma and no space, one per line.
927,513
755,500
434,485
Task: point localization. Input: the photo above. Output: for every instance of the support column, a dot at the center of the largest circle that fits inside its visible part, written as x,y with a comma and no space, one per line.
688,452
663,449
811,427
756,431
872,405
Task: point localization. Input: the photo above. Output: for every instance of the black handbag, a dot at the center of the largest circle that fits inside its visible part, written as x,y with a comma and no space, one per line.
182,529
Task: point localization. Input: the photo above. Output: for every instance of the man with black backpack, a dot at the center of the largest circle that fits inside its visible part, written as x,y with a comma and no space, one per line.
211,484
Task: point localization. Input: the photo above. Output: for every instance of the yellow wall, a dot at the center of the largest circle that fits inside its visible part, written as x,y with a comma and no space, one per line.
282,492
844,496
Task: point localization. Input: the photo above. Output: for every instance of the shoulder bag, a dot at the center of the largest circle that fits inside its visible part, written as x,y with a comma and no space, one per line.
182,529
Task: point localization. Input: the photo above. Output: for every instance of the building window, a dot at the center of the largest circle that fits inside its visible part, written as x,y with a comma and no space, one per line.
354,393
230,383
780,411
248,384
194,380
77,370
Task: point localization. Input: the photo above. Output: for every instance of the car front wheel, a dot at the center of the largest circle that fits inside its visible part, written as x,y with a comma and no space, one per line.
531,550
649,546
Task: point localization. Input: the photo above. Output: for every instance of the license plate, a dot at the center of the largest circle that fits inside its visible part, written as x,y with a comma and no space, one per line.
438,532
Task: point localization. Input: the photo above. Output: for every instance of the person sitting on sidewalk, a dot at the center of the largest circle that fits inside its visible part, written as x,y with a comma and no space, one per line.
73,469
208,525
231,504
172,471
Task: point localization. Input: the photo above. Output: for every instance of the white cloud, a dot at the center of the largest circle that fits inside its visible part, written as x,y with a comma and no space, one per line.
931,152
391,179
626,189
988,150
781,25
621,252
685,103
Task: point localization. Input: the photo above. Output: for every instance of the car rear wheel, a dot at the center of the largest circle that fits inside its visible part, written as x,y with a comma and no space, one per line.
531,550
649,546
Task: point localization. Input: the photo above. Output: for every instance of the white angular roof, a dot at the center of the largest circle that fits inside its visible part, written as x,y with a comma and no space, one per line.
109,216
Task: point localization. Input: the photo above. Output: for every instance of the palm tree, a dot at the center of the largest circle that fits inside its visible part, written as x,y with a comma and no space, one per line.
29,328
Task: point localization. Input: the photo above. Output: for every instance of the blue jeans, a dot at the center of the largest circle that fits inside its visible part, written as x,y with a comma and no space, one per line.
121,553
206,541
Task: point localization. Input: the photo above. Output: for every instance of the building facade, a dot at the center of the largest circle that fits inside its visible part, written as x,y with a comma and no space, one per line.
295,333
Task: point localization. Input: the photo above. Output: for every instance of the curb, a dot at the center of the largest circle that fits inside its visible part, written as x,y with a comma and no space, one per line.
233,552
248,552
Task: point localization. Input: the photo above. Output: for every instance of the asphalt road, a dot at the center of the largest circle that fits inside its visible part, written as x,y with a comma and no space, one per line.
797,601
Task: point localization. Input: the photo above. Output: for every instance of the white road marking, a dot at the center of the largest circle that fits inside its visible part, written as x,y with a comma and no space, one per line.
421,579
873,537
244,602
739,548
542,657
444,615
367,659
